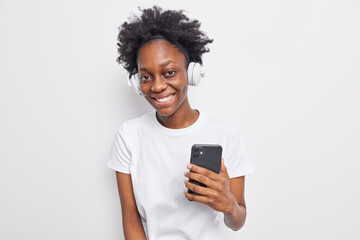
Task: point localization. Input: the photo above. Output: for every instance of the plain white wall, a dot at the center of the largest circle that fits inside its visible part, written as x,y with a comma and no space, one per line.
287,72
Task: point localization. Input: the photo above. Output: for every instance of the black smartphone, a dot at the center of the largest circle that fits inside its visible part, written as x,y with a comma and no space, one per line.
206,156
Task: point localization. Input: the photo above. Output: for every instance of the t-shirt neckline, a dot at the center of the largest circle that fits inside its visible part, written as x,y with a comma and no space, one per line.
179,131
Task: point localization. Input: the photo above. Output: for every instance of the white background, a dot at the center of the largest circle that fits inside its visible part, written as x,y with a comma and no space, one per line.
287,72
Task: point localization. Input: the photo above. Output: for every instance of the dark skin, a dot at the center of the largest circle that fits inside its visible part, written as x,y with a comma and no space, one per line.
163,75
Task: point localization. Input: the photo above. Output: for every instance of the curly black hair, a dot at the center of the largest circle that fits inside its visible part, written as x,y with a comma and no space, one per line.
172,24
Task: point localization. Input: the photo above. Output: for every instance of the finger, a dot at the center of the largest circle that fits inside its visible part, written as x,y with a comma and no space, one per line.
203,179
208,173
201,190
223,170
197,198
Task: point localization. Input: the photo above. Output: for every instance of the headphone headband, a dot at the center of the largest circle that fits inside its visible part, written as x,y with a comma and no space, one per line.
159,36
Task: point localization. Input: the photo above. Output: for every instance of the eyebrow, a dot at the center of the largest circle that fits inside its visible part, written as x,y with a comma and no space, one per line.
166,63
161,65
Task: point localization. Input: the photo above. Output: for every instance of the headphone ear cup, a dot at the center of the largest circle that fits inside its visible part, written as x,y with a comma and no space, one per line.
134,82
190,73
195,73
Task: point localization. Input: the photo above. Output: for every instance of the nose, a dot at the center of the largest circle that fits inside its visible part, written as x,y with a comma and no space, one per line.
159,84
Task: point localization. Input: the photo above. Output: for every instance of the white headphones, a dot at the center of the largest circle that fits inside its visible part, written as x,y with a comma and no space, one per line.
195,73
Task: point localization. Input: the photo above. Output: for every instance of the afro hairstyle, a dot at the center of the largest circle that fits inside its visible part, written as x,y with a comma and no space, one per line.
172,24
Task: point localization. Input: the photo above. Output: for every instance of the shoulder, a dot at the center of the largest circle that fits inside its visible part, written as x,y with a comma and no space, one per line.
222,125
137,121
131,126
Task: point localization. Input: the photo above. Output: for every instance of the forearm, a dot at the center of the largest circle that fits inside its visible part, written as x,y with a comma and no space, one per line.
133,228
235,219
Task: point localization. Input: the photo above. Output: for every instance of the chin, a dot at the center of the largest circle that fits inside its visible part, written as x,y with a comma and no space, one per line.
165,112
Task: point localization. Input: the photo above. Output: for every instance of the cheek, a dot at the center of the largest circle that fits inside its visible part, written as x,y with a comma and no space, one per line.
144,89
184,89
183,84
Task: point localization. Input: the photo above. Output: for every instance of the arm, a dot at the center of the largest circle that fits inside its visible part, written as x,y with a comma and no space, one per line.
132,226
222,193
236,219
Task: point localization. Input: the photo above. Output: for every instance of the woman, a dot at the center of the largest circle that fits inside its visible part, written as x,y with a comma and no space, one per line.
150,152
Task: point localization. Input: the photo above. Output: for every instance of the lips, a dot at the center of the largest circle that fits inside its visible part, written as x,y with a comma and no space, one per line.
164,99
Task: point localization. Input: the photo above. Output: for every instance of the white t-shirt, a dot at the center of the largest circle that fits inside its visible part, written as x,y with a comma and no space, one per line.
156,157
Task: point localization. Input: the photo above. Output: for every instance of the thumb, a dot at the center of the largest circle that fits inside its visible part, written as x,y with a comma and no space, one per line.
223,170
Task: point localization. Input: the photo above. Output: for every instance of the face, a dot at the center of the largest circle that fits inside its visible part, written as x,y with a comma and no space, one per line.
163,76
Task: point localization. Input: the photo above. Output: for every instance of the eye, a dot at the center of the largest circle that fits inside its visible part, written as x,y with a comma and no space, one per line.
145,78
170,73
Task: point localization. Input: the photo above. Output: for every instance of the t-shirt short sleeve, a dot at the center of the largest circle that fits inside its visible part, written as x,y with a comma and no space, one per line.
238,162
120,156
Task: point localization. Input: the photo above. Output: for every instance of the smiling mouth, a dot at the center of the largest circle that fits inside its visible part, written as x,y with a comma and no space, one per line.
165,99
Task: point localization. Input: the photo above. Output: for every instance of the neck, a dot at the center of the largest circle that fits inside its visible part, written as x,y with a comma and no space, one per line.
183,117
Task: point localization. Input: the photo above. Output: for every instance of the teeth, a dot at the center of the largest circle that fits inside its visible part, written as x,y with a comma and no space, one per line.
165,99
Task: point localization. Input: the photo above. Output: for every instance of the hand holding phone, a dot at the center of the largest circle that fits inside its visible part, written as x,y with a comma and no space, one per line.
207,156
